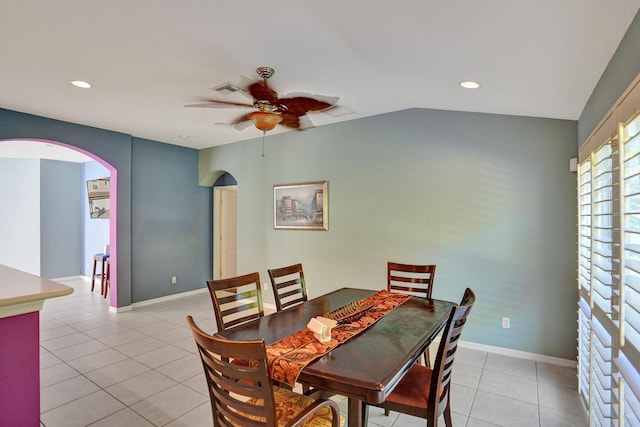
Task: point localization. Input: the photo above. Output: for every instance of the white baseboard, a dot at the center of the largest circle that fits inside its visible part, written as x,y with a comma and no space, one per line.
521,354
71,278
169,297
515,353
268,308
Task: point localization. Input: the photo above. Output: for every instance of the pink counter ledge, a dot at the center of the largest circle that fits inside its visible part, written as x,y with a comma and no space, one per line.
21,298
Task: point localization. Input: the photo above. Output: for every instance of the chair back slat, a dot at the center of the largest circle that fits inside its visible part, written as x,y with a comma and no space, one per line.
411,279
236,300
289,287
443,366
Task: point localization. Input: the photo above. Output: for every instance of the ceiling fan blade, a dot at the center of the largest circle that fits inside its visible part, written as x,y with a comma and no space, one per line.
333,100
296,122
242,122
291,121
261,92
301,105
214,103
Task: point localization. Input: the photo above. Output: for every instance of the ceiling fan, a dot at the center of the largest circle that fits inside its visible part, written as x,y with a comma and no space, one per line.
272,110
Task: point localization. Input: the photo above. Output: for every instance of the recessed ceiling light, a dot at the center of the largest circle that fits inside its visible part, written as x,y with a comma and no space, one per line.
470,84
80,84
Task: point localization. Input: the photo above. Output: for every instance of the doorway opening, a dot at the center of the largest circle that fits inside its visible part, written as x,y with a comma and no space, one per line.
225,218
40,149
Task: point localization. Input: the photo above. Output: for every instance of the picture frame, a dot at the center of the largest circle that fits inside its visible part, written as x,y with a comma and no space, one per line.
302,206
98,191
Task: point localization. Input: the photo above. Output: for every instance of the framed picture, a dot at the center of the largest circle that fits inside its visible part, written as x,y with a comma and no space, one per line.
301,206
99,192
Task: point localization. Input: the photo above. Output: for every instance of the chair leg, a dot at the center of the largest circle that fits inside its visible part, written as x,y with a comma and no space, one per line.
93,275
447,414
103,273
107,280
365,414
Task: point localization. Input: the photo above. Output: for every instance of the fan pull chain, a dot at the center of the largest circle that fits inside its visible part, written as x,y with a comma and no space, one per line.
263,133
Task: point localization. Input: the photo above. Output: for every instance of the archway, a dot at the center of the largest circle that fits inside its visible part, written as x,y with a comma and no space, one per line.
113,289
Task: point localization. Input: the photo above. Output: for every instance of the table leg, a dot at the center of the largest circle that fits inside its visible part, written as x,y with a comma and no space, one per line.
356,415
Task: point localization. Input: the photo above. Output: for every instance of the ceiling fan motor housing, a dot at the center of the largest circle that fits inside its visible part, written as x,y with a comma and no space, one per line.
265,72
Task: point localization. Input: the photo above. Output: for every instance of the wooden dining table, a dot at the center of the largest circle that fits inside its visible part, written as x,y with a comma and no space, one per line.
368,366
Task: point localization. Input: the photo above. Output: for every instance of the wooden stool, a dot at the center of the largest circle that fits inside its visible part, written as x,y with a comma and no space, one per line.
102,259
107,279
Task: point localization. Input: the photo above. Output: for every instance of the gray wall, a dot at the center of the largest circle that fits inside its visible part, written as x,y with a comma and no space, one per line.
40,216
487,198
20,214
60,219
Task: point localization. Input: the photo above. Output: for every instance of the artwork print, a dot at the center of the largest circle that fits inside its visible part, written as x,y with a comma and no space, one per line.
99,197
301,206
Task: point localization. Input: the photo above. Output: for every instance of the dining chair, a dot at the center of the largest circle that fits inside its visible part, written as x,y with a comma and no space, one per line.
412,279
244,396
289,287
236,300
424,392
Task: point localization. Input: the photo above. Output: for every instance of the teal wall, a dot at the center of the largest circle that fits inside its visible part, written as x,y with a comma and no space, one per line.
171,218
488,198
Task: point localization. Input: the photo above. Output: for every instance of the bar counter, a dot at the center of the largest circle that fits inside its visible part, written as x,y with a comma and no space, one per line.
22,296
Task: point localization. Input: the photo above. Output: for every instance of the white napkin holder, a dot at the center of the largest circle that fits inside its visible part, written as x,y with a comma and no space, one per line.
321,328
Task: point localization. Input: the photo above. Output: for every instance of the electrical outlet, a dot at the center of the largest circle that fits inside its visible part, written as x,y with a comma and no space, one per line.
265,286
174,280
506,323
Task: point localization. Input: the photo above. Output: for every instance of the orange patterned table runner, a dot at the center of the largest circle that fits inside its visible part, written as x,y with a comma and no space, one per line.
288,357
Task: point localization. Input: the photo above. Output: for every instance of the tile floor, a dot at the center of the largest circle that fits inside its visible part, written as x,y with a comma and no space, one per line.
140,368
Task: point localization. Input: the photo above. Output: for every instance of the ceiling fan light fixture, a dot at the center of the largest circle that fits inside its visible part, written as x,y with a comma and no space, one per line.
265,120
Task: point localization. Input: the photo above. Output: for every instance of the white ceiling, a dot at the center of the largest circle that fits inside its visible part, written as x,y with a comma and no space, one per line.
40,150
147,59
